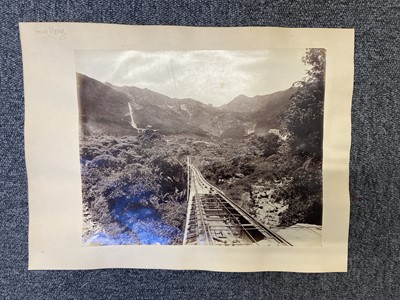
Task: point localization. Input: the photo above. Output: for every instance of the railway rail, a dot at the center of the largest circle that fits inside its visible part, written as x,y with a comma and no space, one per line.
214,219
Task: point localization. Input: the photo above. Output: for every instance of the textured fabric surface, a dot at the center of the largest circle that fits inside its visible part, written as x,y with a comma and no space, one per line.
374,245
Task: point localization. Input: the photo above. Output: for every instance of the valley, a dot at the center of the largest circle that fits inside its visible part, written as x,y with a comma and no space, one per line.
134,144
134,188
111,110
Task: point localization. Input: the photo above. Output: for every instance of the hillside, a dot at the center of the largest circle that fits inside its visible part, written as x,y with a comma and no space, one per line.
245,104
111,110
264,110
133,161
102,109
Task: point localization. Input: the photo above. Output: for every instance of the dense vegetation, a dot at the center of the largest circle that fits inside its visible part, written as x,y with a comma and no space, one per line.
134,187
133,192
304,127
295,155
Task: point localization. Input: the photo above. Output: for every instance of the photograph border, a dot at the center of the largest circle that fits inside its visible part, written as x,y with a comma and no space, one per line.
263,71
52,150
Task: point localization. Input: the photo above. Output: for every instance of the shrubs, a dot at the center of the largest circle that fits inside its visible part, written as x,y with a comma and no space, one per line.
303,125
105,161
304,196
268,144
237,174
124,177
149,138
142,180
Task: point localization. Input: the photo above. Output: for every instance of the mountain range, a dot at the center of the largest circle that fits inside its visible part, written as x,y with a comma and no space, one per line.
106,109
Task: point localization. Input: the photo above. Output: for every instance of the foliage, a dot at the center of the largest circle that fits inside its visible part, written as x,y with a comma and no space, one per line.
304,126
269,144
130,182
304,196
270,158
304,120
127,184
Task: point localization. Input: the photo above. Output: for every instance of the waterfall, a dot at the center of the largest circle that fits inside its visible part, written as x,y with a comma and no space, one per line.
131,113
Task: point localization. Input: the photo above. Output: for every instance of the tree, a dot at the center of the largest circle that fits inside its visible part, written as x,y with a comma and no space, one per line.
268,144
304,120
303,125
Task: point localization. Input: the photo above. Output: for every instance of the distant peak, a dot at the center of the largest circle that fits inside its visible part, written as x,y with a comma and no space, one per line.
242,96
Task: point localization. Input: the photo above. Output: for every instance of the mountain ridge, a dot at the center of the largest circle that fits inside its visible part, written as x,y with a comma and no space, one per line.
113,110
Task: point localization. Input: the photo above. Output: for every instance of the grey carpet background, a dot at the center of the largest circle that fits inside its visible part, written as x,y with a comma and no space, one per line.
374,245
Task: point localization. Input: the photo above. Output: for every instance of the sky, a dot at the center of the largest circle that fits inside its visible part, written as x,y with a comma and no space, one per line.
210,76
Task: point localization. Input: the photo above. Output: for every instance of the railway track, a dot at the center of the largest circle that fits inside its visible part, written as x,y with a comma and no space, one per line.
214,219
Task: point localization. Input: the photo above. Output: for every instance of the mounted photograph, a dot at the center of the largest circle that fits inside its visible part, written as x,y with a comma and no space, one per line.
202,147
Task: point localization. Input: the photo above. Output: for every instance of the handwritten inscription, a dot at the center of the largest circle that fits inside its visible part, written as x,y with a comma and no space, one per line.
51,31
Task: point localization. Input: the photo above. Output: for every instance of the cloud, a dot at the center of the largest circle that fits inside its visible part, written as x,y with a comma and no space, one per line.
215,76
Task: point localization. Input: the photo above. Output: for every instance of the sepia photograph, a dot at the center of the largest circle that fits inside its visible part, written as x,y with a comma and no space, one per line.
202,147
